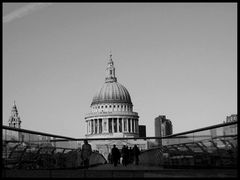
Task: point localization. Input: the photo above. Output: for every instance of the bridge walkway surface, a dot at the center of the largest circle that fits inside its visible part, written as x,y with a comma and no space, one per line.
130,171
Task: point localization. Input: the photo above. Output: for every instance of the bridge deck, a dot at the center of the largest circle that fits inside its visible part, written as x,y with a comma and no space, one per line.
109,171
131,170
125,168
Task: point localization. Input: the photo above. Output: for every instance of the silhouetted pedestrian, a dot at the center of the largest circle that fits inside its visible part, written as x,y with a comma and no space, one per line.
124,155
130,154
136,153
115,155
86,153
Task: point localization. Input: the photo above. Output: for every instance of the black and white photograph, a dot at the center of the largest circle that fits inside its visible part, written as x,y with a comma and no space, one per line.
119,90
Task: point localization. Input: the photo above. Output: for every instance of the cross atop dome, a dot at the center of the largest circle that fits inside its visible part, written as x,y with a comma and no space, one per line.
110,55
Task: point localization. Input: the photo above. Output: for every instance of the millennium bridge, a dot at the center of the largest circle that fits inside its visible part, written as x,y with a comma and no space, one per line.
207,152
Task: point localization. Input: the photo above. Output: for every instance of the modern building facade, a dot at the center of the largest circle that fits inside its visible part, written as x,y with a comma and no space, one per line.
163,126
232,129
142,130
112,112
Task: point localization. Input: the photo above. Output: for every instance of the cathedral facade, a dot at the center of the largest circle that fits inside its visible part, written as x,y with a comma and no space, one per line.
112,112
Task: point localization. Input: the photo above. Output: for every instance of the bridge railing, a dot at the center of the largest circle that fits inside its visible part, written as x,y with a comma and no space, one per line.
213,146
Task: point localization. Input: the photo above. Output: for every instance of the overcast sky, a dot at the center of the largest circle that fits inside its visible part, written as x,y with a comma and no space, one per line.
176,59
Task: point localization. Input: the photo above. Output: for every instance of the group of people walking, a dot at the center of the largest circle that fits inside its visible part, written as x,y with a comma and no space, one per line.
124,156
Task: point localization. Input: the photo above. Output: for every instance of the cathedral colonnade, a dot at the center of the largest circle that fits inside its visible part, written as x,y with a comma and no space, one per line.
112,125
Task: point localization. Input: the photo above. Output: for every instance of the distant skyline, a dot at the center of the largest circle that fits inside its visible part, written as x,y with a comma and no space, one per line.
175,59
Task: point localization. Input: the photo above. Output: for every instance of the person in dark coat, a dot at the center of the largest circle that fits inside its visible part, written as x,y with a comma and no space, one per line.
136,153
86,153
115,155
124,155
130,155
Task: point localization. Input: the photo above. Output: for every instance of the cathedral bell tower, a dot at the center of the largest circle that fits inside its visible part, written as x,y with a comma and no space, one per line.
14,119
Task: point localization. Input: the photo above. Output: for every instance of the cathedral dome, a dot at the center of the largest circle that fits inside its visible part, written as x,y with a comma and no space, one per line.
111,110
112,92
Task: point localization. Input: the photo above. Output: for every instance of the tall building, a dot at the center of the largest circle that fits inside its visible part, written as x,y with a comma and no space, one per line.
163,126
14,119
142,130
112,112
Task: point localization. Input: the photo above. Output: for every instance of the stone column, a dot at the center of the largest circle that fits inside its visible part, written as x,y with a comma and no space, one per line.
89,122
87,127
94,125
91,126
137,126
97,126
122,124
134,126
118,125
107,130
91,131
130,123
112,125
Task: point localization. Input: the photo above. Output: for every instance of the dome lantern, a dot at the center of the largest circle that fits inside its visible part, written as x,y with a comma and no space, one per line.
110,71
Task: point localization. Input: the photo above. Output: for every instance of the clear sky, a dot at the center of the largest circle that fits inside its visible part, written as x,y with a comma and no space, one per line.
176,59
